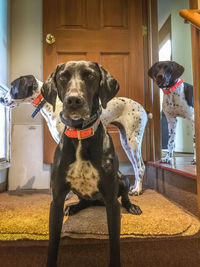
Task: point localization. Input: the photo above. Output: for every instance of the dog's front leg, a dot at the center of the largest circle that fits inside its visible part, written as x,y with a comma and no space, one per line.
55,226
109,192
172,123
113,219
59,191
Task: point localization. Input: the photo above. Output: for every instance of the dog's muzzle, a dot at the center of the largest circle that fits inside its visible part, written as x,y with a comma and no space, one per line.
74,102
81,123
75,108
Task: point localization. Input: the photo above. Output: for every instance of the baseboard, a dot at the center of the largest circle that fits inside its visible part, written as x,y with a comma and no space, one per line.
3,187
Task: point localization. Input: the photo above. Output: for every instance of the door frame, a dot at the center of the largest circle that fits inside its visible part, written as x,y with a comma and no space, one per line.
152,94
195,38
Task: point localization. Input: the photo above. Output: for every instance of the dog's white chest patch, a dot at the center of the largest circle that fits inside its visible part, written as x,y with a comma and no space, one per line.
82,176
175,105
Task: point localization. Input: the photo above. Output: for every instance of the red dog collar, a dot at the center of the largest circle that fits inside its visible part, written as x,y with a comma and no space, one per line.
171,89
82,134
38,103
37,100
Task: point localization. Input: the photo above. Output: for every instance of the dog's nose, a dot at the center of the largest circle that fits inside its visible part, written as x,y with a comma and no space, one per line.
74,101
160,76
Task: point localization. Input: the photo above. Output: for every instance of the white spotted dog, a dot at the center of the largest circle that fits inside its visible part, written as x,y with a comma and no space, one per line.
127,115
177,100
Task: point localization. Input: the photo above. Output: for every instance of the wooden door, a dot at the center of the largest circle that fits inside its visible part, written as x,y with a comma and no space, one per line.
106,31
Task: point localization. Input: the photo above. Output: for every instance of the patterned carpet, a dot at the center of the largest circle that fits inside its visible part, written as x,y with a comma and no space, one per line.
26,217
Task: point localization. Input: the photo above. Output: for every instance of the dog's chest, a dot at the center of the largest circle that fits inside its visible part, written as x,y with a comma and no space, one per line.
83,176
56,127
175,105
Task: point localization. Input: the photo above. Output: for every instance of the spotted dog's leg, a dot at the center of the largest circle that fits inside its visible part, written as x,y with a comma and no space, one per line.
134,154
172,123
132,147
136,189
194,144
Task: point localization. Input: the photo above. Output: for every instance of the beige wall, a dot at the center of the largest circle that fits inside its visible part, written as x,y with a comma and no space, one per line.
26,50
26,58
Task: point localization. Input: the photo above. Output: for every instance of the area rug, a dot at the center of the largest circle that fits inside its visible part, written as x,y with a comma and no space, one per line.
26,217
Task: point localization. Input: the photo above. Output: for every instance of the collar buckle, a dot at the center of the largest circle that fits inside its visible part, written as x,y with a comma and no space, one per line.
82,134
80,137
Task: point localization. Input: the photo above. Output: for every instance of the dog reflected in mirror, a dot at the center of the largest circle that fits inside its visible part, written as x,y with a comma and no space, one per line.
177,100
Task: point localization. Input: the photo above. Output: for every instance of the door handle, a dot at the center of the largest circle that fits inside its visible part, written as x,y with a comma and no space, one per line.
50,39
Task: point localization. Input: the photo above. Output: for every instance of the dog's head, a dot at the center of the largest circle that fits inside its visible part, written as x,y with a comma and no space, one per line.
165,73
80,85
23,90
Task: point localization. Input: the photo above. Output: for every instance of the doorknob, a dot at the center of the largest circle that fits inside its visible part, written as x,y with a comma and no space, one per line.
50,39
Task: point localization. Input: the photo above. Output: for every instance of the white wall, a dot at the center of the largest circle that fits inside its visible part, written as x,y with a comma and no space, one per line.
4,40
5,60
26,58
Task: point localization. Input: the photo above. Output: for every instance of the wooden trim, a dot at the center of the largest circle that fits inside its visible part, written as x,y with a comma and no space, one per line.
192,16
152,94
195,38
169,168
195,34
49,6
194,4
146,144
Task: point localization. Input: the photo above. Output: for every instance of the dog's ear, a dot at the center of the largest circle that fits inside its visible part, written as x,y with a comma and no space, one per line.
49,88
177,70
108,87
152,71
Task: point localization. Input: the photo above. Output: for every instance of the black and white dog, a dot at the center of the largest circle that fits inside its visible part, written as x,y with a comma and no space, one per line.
127,115
85,161
177,99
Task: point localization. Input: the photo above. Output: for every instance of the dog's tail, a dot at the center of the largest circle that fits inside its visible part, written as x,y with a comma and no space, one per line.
149,115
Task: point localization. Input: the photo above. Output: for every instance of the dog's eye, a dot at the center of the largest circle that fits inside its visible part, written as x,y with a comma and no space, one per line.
88,75
65,76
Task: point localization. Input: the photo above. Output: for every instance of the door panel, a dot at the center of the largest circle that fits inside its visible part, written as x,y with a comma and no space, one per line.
106,31
71,13
115,13
64,57
117,64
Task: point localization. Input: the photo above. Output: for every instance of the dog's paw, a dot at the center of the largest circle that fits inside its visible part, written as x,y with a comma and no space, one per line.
71,210
133,209
74,208
193,162
66,211
69,195
166,160
135,190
